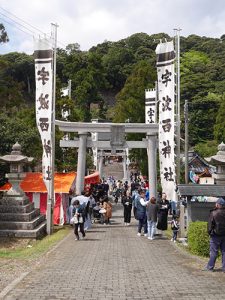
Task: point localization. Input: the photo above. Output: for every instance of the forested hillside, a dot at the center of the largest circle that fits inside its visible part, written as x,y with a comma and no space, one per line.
108,82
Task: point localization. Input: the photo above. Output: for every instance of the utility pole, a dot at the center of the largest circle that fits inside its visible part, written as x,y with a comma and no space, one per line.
156,101
69,88
186,140
177,38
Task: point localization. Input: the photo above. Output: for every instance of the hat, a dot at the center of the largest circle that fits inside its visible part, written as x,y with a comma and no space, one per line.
221,201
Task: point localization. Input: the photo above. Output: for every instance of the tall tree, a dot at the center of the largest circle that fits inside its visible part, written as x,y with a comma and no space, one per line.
130,102
219,128
202,115
3,34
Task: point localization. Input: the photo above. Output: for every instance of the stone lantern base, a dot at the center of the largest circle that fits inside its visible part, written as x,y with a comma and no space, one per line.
19,218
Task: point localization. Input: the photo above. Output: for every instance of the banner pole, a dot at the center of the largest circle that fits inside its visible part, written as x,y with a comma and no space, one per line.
51,195
178,101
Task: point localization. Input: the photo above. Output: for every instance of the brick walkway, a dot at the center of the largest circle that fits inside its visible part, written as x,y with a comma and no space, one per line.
113,263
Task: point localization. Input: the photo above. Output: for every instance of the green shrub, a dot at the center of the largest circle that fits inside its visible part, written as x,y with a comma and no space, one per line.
198,238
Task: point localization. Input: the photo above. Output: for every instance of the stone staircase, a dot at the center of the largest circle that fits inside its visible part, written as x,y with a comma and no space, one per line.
19,218
114,169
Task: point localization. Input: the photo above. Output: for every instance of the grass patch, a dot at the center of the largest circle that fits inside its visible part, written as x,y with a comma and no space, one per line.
29,249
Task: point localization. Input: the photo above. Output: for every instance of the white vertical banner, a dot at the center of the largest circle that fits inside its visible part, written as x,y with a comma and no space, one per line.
166,90
150,106
43,57
65,91
94,137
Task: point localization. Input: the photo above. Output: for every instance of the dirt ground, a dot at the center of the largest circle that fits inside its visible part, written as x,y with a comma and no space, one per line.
13,243
10,269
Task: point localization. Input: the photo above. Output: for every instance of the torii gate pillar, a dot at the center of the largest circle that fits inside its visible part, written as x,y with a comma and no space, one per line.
100,165
81,163
152,172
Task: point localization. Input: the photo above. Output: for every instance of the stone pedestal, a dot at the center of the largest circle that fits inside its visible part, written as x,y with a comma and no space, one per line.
19,218
199,211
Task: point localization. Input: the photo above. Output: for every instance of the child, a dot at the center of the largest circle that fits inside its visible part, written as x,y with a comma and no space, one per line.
175,228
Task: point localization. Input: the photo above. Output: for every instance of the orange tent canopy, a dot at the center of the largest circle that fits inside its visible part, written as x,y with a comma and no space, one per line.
33,182
5,187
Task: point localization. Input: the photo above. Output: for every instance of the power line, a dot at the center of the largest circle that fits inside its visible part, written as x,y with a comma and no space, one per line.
16,22
33,33
10,23
21,20
47,43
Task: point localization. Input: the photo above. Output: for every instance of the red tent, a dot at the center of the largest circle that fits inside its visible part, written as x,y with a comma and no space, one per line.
64,184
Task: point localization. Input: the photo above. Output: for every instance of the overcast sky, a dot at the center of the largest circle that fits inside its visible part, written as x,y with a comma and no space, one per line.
89,22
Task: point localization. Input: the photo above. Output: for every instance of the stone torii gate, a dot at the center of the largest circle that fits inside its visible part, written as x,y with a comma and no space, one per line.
117,142
102,154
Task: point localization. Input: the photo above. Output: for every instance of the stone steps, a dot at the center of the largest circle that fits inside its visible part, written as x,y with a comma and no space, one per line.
20,217
18,225
17,208
14,202
35,233
114,169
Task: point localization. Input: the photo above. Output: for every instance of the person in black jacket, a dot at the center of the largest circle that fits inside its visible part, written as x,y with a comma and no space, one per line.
127,205
216,230
164,207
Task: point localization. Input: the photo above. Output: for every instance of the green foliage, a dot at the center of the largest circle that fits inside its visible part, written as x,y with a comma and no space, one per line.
194,77
219,128
17,79
109,81
206,149
202,116
131,99
198,238
20,127
118,64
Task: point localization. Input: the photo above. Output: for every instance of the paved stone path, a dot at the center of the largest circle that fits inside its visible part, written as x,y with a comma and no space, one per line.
113,263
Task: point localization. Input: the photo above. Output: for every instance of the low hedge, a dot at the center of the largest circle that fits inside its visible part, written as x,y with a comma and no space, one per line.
198,238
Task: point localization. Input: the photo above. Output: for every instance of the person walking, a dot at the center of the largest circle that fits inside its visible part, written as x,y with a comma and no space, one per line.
127,205
141,213
107,205
152,212
216,230
79,218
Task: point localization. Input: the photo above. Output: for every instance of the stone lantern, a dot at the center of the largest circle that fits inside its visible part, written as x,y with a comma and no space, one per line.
218,160
18,216
16,175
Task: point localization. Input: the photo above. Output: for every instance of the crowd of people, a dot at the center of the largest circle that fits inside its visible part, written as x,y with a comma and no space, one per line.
96,205
151,214
86,208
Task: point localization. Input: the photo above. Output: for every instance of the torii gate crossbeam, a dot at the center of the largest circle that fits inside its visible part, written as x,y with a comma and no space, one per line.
151,131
